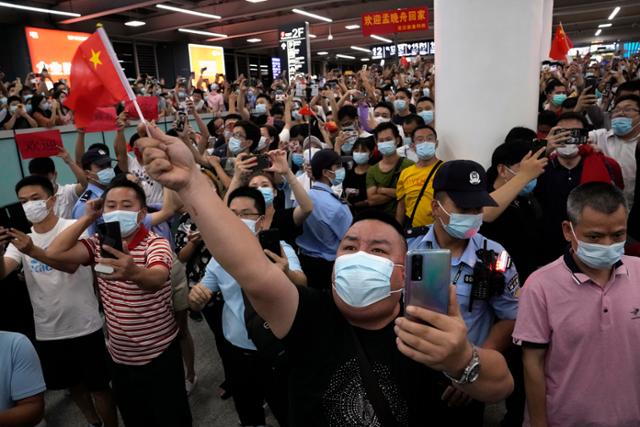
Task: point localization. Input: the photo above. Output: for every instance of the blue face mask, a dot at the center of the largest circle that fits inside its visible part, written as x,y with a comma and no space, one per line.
340,174
297,159
235,145
427,116
267,194
621,125
362,279
261,109
387,148
128,220
558,99
295,115
600,257
527,189
361,158
347,147
426,150
426,92
28,108
399,104
462,226
106,175
3,100
598,94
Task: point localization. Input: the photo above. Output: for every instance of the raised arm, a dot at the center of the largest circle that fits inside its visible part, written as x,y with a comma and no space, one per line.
77,171
120,143
271,293
281,166
24,244
78,150
66,247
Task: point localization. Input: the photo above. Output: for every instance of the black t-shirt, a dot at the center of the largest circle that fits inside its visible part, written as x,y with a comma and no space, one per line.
355,187
283,221
325,387
20,123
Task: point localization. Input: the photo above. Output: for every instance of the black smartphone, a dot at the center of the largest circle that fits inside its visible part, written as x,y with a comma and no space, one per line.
12,216
270,239
576,136
537,144
109,234
264,162
591,83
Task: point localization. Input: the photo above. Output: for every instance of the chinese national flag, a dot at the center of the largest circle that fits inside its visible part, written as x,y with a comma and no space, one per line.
98,80
306,111
560,45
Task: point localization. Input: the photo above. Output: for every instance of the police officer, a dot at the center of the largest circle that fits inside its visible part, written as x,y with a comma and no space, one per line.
485,278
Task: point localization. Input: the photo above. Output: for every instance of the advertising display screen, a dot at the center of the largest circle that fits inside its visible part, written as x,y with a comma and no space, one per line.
211,57
53,49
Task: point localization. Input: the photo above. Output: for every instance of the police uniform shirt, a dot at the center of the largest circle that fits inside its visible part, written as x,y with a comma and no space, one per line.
92,192
485,312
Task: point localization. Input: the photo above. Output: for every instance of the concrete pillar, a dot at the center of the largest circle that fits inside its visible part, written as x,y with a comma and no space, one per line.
487,67
547,29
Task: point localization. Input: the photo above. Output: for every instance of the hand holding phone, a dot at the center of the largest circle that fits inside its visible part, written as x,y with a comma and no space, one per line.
270,240
427,279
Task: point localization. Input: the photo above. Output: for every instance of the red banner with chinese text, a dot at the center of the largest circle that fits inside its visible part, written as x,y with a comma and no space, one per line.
395,21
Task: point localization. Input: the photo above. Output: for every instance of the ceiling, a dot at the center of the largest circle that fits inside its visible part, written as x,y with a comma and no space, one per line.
242,20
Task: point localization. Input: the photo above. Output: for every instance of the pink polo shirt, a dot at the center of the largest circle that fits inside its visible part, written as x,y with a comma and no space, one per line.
592,366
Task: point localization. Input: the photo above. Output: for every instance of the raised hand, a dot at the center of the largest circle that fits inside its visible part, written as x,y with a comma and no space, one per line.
279,162
532,166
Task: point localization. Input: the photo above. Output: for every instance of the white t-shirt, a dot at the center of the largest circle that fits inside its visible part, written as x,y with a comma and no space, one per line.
152,189
623,152
66,198
64,305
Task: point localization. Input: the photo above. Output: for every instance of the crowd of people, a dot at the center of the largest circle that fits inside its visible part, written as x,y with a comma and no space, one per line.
285,220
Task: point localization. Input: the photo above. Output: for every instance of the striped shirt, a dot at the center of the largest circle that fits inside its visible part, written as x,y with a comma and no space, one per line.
141,324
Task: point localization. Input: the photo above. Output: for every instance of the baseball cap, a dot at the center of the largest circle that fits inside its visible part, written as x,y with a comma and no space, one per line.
322,160
97,156
465,181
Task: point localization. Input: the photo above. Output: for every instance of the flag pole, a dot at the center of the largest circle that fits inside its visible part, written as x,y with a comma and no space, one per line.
123,79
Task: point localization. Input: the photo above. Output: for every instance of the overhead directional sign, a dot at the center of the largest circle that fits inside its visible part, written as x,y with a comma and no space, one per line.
294,49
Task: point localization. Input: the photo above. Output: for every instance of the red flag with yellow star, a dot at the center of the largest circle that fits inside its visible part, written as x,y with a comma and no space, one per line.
98,80
560,45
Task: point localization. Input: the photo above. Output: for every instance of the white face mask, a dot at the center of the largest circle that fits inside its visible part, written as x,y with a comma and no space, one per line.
567,151
35,210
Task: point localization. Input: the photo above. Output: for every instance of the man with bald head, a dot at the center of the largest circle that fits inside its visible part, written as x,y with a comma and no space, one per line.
336,338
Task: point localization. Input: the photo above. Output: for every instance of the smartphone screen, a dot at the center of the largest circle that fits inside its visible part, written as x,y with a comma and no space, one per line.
109,234
427,279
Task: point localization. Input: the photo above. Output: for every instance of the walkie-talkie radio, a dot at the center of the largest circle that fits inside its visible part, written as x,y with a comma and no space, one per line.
488,274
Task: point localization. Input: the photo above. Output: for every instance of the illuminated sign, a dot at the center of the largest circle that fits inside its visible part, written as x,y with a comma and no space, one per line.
211,57
403,49
276,68
395,21
294,49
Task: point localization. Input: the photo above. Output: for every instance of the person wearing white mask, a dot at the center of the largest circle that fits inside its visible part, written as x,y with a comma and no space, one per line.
198,101
253,378
68,326
362,308
382,113
215,100
410,123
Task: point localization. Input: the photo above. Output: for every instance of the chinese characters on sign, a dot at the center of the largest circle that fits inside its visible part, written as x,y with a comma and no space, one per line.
276,68
403,49
39,144
395,21
294,49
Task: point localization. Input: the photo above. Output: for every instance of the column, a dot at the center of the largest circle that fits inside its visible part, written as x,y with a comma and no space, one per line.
487,66
547,29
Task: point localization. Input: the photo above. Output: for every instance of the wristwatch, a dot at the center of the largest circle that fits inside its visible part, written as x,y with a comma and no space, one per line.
470,373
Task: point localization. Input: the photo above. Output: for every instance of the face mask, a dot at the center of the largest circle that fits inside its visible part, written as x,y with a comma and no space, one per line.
3,100
363,279
128,220
143,91
360,158
621,125
406,140
297,159
261,109
426,150
13,109
267,193
214,87
235,145
426,92
427,116
106,175
399,104
597,256
45,106
227,134
380,119
182,94
295,115
340,174
158,92
598,94
387,148
27,97
462,226
199,105
567,151
558,99
251,224
28,108
527,189
262,144
588,74
35,210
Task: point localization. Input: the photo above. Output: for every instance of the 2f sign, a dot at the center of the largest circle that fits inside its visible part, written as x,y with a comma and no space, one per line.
39,144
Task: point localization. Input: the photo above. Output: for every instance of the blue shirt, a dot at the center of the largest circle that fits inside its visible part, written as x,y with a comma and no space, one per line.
485,312
20,372
326,226
92,192
217,279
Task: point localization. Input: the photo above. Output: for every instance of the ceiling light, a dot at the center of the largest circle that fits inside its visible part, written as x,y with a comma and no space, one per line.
604,25
614,13
313,36
254,40
361,49
311,15
382,39
134,24
256,1
253,65
352,27
364,59
38,9
202,33
598,33
345,56
323,53
187,11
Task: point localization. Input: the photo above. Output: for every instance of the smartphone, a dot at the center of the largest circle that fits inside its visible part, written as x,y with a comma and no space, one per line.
109,234
537,144
427,279
12,216
270,239
576,136
181,119
264,162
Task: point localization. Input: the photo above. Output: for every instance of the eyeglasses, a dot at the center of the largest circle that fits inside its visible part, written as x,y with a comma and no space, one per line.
247,215
238,135
419,139
624,112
